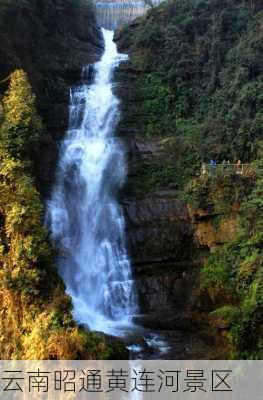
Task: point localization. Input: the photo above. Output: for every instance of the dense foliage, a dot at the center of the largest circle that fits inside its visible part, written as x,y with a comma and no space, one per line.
51,41
197,89
36,320
233,277
198,81
44,44
197,74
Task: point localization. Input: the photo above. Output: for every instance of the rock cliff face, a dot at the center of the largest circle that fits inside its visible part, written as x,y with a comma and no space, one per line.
207,234
51,41
160,233
168,239
160,239
168,242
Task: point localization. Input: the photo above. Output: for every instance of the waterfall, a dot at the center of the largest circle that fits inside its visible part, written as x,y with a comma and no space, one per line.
85,219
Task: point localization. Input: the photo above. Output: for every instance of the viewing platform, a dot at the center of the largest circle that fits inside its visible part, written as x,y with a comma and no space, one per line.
227,168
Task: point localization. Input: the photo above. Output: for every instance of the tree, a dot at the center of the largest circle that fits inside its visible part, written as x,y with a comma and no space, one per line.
21,129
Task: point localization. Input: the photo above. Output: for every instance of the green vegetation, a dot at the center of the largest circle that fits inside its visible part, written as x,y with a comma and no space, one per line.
218,194
197,74
233,276
51,41
152,177
198,79
36,320
22,126
44,44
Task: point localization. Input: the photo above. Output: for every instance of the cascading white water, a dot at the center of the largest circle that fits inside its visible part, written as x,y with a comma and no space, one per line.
84,216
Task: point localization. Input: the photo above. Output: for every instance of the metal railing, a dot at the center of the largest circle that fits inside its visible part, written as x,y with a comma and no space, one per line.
227,168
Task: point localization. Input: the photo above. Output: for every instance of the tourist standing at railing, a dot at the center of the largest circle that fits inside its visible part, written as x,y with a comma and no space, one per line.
213,164
239,167
226,167
204,169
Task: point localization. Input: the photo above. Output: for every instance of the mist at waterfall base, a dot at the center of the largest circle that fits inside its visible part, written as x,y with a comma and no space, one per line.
85,219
